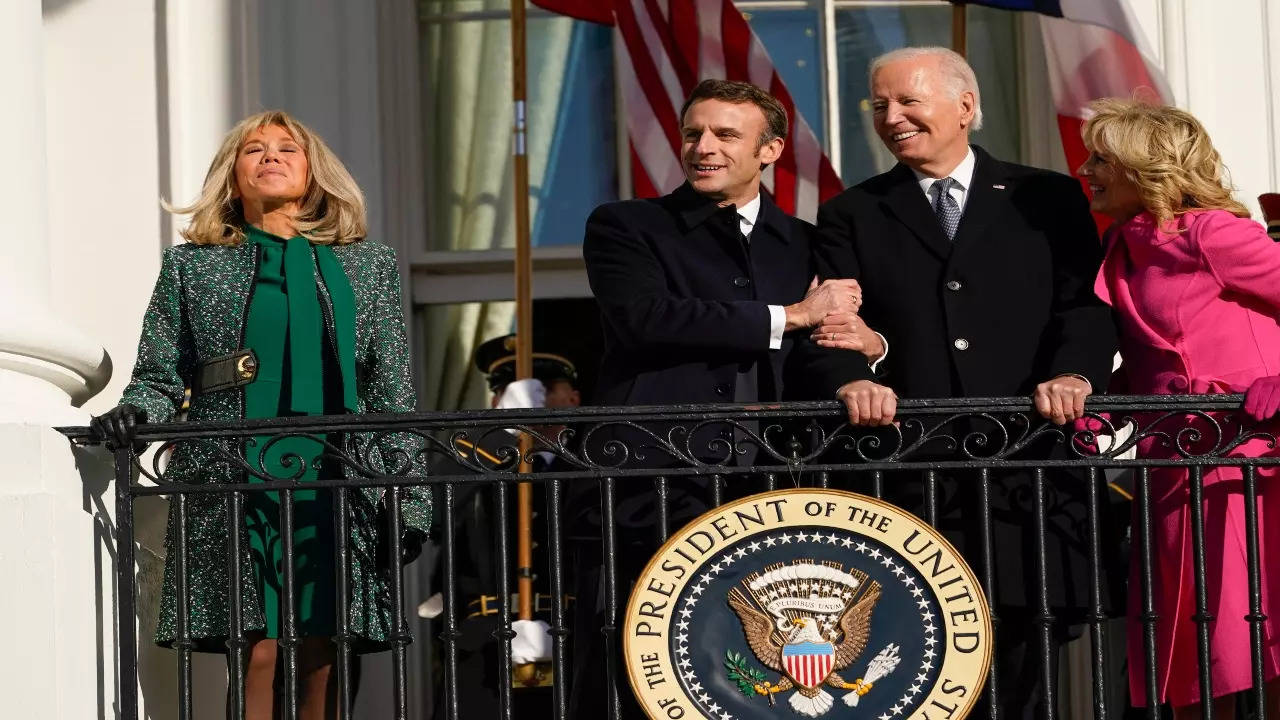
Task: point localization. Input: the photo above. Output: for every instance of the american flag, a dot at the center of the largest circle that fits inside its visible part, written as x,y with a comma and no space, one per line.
662,49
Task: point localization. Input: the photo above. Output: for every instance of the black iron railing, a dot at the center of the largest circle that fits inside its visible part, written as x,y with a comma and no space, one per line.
615,449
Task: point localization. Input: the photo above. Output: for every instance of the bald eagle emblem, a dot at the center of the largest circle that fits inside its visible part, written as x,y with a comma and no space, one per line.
807,620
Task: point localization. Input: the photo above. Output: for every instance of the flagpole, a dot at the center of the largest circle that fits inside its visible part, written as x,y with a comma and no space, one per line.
959,27
524,324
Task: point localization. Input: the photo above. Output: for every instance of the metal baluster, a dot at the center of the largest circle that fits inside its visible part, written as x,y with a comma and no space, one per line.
399,633
1256,617
771,481
342,604
183,644
289,641
504,634
824,479
1044,617
1149,615
1096,616
663,519
877,484
1202,617
989,587
609,541
449,636
237,643
126,605
931,497
717,490
558,631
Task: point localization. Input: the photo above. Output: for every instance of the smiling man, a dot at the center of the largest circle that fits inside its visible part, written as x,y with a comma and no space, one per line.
704,297
702,291
980,275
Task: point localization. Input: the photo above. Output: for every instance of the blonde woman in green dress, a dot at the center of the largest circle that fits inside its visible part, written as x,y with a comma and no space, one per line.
277,264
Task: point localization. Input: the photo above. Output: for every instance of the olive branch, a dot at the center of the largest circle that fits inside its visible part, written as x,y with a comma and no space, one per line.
745,676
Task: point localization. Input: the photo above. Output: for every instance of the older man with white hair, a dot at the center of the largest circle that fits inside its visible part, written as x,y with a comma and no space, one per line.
979,273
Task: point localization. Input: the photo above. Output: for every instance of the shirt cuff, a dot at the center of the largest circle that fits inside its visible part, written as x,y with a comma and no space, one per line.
777,325
883,355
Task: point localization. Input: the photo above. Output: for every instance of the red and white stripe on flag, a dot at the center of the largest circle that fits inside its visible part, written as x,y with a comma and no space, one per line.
809,669
662,49
1096,50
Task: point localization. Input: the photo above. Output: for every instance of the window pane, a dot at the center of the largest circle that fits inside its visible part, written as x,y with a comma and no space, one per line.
792,40
864,33
467,108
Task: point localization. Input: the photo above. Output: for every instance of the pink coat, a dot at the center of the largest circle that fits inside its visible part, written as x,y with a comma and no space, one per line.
1198,307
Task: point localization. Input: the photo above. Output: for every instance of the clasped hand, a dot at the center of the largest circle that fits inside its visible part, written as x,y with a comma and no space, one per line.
823,299
847,331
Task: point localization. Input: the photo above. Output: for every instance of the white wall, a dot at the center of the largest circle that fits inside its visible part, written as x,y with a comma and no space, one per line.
1222,60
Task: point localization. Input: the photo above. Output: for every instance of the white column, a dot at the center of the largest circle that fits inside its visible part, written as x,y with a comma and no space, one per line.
54,555
46,364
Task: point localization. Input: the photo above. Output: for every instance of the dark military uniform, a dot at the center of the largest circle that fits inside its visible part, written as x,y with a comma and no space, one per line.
476,561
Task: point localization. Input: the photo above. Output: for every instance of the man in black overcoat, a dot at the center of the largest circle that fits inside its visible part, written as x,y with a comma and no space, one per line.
979,273
705,297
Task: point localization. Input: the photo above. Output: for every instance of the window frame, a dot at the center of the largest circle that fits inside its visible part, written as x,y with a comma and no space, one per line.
456,276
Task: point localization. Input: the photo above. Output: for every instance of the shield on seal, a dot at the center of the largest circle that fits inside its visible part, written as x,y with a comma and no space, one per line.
808,663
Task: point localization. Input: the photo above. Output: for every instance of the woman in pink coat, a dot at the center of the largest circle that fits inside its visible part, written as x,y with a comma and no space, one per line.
1195,285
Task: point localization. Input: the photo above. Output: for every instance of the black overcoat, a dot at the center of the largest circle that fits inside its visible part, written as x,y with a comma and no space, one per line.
1007,304
684,304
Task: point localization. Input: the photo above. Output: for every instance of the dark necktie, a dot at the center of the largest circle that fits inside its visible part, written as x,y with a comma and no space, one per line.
946,207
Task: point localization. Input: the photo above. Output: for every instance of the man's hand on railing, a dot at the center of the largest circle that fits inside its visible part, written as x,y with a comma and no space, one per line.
1061,399
1262,401
868,403
118,426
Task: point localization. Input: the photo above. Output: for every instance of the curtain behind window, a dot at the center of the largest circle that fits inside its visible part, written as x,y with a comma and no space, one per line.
466,70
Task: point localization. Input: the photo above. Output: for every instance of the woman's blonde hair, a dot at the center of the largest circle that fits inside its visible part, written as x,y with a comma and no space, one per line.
332,208
1166,153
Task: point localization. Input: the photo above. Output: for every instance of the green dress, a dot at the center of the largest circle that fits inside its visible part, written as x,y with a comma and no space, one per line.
199,310
304,368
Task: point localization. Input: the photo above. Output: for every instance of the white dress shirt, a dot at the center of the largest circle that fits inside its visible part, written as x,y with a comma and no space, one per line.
747,216
963,176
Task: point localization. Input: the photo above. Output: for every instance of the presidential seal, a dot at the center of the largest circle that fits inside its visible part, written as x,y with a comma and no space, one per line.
807,603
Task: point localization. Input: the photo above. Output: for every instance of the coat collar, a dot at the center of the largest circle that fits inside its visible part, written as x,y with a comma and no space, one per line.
695,209
986,196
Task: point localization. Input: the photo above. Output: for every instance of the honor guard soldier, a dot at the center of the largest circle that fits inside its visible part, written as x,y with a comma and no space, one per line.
553,385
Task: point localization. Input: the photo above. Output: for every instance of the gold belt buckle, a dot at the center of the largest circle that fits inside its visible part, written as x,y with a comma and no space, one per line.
246,366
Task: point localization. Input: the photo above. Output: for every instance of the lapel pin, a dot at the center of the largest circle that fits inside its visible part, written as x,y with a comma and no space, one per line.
998,187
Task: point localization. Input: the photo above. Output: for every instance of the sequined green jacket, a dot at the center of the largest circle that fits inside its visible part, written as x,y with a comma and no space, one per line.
198,312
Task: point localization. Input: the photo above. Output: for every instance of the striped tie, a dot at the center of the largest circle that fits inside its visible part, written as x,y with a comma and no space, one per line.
946,207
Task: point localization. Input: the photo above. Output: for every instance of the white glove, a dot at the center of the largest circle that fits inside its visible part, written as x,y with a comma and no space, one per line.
526,393
532,642
432,607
